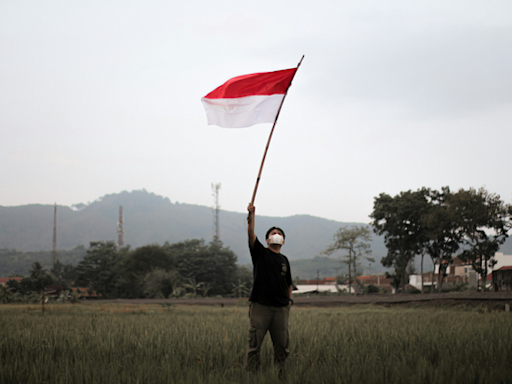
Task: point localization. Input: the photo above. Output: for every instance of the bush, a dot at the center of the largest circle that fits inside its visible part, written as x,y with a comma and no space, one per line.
456,287
371,289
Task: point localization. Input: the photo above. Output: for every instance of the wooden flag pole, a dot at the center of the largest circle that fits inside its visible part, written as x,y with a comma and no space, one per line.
270,136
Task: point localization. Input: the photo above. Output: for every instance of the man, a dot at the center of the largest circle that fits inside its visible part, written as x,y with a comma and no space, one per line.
271,295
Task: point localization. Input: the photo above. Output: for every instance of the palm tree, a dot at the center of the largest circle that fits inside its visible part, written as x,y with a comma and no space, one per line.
6,294
37,270
63,296
205,288
240,288
177,292
193,285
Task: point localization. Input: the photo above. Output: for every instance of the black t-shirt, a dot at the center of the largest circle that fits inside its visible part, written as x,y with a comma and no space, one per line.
272,276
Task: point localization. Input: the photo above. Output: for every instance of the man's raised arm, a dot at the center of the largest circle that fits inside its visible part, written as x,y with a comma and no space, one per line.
250,225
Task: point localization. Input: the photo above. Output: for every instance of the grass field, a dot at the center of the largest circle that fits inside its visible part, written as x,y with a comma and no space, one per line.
179,344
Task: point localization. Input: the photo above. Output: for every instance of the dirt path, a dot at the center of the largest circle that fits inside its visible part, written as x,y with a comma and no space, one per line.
493,300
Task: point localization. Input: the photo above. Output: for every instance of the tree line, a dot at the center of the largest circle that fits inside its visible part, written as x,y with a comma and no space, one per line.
184,269
470,224
14,262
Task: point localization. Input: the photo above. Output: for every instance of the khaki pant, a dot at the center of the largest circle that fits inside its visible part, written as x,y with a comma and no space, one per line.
266,318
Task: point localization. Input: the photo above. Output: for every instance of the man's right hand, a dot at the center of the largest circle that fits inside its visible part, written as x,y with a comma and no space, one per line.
250,224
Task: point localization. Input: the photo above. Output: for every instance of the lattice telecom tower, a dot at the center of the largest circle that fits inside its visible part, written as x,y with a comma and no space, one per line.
120,229
216,208
54,248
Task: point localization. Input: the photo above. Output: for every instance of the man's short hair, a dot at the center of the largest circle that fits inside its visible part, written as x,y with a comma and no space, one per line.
271,229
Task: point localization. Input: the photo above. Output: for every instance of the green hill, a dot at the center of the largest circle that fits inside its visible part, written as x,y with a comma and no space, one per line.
149,218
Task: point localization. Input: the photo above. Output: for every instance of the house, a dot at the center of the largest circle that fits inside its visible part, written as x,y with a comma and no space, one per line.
456,271
315,286
329,284
4,280
380,281
86,293
460,272
53,290
502,279
501,261
449,280
456,267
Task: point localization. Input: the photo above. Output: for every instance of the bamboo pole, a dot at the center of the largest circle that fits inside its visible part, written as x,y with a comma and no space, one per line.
271,133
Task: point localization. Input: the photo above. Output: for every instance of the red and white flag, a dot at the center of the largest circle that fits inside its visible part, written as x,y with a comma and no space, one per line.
247,100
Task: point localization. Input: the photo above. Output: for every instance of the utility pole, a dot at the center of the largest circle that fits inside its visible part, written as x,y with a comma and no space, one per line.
54,248
216,210
120,229
317,278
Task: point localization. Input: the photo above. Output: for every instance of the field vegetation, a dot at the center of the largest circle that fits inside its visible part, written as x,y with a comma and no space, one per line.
178,344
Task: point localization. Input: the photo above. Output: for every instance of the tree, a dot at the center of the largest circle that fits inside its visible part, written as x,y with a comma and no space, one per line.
246,277
37,271
146,258
484,222
159,283
205,288
36,281
193,285
210,263
399,220
225,268
240,289
355,242
6,294
101,269
140,263
178,291
440,237
63,274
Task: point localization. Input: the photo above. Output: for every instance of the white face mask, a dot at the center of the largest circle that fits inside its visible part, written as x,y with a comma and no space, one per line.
276,239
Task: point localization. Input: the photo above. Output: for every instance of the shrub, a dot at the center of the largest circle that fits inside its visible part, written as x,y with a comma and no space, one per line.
371,289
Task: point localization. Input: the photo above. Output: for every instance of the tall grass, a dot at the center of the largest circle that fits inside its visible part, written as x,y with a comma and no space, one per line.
152,344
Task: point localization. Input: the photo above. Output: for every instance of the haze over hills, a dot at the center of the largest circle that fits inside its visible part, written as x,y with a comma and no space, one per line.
149,218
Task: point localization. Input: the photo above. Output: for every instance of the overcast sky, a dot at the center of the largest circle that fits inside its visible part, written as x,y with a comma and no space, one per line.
98,97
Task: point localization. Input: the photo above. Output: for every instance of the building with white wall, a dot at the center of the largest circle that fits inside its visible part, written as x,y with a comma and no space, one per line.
458,271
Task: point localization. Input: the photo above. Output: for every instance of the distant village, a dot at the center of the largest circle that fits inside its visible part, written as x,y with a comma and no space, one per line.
457,273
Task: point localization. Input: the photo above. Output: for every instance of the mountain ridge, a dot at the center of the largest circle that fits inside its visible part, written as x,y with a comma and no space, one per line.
150,218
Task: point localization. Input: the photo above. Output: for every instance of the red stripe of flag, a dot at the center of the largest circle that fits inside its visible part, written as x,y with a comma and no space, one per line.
255,84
